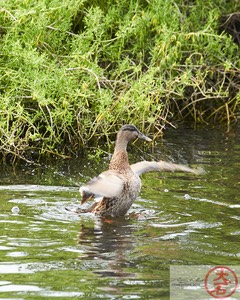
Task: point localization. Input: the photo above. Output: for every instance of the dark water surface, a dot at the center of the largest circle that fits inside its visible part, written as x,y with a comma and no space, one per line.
47,252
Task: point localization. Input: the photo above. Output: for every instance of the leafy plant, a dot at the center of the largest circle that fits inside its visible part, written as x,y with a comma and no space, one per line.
75,70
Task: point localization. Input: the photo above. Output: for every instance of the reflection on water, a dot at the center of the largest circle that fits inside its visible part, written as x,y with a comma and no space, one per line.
109,241
48,252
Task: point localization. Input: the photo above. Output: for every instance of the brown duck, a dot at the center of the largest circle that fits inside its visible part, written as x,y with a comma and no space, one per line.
120,185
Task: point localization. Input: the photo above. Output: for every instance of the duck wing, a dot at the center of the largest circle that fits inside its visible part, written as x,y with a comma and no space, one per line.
108,184
148,166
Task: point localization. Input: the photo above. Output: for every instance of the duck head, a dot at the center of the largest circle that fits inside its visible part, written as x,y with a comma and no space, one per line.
130,132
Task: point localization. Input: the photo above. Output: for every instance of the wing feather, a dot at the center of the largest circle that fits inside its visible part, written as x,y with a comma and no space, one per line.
147,166
108,184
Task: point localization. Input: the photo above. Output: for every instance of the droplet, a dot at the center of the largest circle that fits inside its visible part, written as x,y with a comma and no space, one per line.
186,196
166,190
15,210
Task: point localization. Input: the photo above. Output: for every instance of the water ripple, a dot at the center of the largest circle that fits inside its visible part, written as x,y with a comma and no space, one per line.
36,188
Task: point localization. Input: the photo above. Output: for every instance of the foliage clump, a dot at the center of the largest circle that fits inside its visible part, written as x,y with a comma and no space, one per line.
73,70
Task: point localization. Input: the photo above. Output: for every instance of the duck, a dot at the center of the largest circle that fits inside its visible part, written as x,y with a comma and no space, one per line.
116,189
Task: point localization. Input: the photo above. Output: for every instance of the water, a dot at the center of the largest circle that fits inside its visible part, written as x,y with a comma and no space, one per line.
47,252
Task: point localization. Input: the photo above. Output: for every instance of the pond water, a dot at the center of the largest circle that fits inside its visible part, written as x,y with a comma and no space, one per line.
179,219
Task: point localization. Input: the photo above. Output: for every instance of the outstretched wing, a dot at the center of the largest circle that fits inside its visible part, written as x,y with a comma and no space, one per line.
108,184
147,166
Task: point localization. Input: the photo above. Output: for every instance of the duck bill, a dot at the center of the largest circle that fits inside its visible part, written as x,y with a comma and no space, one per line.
144,137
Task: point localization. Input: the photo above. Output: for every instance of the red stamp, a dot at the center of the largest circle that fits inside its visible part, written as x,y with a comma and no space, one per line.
221,282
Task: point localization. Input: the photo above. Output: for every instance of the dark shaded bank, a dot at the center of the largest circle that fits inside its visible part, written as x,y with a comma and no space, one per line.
73,72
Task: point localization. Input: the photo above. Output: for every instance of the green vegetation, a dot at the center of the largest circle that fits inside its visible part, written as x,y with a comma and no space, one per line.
74,70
